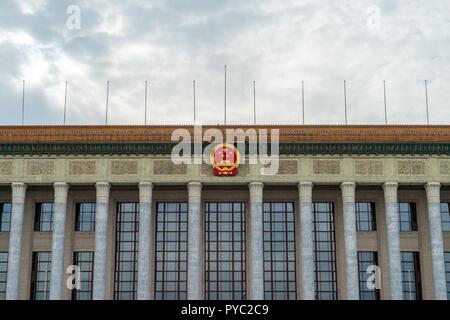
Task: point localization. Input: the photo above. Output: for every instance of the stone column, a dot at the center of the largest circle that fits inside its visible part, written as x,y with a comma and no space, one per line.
145,238
437,243
256,241
351,255
59,228
15,240
194,241
306,233
393,240
101,228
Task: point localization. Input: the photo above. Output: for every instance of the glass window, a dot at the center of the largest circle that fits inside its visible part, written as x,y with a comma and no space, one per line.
5,216
85,217
407,216
445,216
412,287
127,236
367,259
171,251
324,251
447,272
279,251
365,216
3,274
85,261
225,251
43,218
40,275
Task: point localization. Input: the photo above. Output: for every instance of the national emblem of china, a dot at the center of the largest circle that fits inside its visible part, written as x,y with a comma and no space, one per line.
225,159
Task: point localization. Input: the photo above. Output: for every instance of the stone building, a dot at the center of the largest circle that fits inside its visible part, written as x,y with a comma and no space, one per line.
349,204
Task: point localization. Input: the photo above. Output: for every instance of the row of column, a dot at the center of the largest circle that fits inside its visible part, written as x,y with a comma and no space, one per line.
256,272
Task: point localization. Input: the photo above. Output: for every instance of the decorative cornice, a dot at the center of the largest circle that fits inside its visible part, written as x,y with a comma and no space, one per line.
165,148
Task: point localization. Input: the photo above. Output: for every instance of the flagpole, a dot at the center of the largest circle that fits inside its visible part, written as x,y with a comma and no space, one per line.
225,96
385,102
193,88
23,102
254,102
426,101
303,102
107,102
345,101
65,103
145,103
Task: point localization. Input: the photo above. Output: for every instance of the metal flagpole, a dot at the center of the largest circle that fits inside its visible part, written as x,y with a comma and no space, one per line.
145,104
345,101
65,104
303,103
254,102
426,101
225,96
385,102
23,102
193,88
107,102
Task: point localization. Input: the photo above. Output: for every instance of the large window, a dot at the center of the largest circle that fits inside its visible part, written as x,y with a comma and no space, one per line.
412,287
325,251
43,217
40,275
3,274
127,226
279,251
85,261
171,251
407,216
5,217
225,250
445,215
367,289
365,216
85,217
447,272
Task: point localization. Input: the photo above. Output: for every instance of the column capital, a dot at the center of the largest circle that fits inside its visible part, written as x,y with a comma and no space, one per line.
348,191
18,192
305,191
256,191
61,189
145,191
194,191
102,190
390,191
433,190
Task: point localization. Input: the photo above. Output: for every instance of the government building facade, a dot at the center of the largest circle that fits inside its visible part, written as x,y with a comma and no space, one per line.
102,212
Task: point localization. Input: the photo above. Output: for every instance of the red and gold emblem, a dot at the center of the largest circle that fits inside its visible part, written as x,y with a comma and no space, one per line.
225,159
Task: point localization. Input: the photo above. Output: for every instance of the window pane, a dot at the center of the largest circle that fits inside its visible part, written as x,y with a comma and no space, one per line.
40,275
324,251
279,251
225,250
407,216
412,287
43,218
125,275
368,289
171,251
85,261
365,216
5,217
85,217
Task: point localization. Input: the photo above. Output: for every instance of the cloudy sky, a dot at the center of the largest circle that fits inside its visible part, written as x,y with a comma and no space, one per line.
276,43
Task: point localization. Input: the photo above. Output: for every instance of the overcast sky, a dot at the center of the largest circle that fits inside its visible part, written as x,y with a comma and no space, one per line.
276,43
